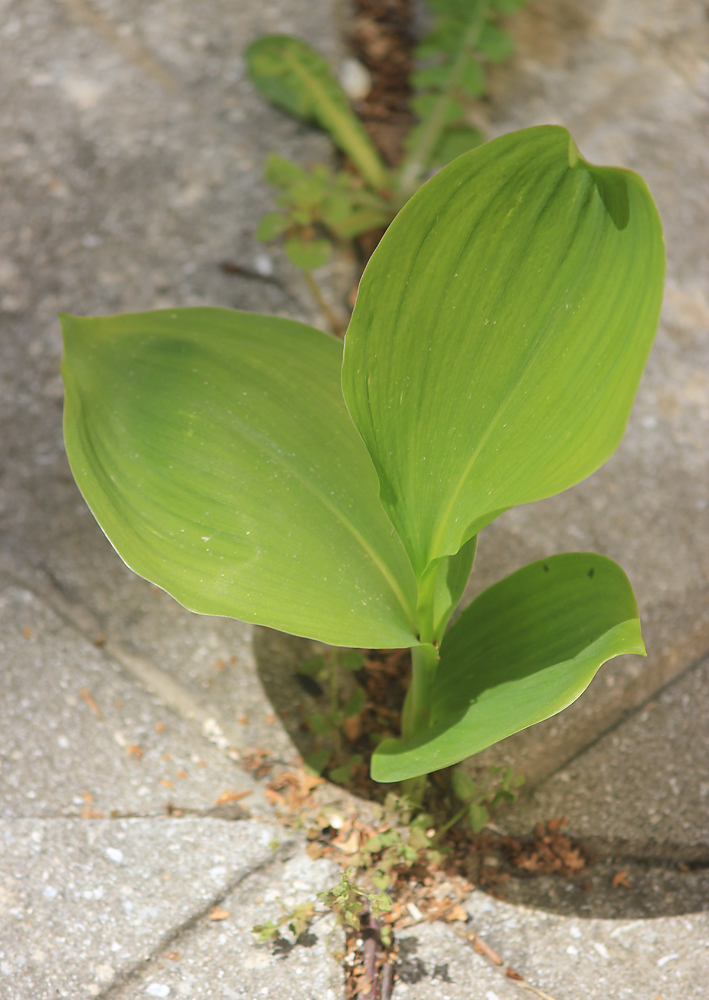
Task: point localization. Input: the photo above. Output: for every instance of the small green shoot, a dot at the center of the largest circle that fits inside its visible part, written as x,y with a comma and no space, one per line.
325,669
320,206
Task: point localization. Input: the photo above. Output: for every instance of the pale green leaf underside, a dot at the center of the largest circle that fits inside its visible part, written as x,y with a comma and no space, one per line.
499,335
520,652
215,451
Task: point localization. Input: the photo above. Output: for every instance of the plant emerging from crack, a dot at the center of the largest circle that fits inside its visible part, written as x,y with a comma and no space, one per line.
321,205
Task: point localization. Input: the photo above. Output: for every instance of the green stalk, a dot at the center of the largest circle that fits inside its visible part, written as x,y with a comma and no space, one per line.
419,159
417,706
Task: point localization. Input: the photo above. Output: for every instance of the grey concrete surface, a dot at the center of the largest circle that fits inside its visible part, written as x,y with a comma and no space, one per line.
564,958
572,959
130,167
648,778
124,908
82,736
223,959
435,964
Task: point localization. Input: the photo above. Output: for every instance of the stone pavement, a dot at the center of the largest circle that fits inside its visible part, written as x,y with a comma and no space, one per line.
131,167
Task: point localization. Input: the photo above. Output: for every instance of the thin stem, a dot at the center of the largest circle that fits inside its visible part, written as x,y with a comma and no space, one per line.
451,822
419,159
417,705
335,325
334,700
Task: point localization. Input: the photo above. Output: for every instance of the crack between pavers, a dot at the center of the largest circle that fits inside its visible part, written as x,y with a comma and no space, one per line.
133,49
171,693
124,979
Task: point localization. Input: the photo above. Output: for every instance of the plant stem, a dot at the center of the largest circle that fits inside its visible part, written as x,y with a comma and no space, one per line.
334,699
336,326
451,822
424,661
418,161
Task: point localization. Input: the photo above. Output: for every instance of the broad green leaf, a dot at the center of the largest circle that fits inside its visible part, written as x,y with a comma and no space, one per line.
522,651
296,78
215,450
499,335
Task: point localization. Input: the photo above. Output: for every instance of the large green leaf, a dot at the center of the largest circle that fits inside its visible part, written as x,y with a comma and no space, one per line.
298,79
499,335
215,451
522,651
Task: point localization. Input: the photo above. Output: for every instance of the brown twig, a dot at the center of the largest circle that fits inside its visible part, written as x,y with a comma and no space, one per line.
484,949
387,981
371,948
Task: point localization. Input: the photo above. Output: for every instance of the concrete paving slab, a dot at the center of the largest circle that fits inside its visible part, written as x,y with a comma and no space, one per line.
435,964
222,959
84,903
80,737
574,959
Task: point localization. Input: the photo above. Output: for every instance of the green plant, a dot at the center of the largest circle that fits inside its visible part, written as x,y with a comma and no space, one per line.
481,798
319,205
347,900
328,724
253,467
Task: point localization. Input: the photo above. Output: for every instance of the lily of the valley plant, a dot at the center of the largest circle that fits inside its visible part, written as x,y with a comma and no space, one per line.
252,469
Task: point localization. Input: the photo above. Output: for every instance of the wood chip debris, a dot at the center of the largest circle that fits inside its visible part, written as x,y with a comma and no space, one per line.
230,796
86,696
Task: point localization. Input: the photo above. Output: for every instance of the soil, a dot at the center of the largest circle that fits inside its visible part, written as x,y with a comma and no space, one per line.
381,36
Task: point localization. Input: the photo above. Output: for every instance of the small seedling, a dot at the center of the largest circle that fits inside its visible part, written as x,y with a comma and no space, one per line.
253,467
319,206
346,900
327,725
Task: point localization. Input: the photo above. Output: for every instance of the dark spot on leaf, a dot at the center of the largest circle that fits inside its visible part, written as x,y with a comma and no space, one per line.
591,572
546,568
